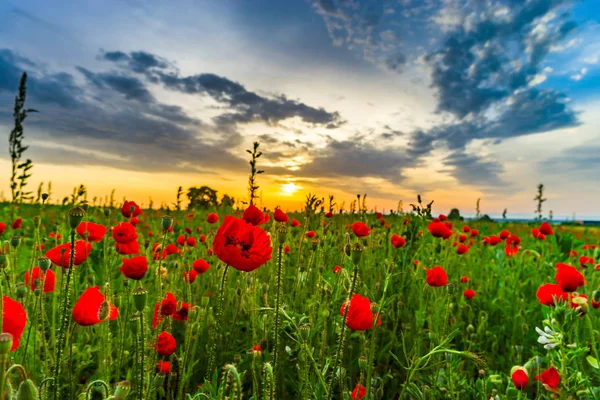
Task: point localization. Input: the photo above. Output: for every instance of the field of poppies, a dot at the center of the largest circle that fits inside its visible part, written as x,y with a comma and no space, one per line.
122,302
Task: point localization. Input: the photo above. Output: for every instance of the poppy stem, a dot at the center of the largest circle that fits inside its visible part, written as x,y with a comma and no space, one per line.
142,367
277,327
216,333
342,337
64,320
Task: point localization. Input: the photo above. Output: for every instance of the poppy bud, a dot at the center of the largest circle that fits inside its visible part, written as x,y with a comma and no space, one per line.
122,390
374,308
104,310
116,300
204,301
305,332
159,380
237,358
167,222
146,243
3,261
21,290
357,250
362,362
44,263
37,291
134,323
519,348
315,244
6,342
325,313
596,296
265,288
347,249
27,390
44,197
76,215
107,212
140,295
15,241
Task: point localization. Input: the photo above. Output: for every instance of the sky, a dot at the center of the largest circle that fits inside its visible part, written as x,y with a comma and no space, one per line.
452,99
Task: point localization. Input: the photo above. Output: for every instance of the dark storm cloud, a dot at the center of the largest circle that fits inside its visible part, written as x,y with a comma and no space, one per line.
577,163
130,87
357,158
472,169
248,106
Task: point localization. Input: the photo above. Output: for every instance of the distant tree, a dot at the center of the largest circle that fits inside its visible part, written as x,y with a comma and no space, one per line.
202,197
539,198
20,170
454,214
227,201
486,218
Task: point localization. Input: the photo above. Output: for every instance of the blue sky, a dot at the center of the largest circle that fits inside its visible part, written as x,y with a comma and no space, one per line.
453,99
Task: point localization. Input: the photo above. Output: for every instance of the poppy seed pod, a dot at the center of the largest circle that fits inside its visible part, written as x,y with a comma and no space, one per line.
76,215
45,196
305,332
107,212
596,296
45,263
140,296
166,222
357,251
282,233
21,290
15,241
6,342
104,310
134,323
362,362
27,390
122,390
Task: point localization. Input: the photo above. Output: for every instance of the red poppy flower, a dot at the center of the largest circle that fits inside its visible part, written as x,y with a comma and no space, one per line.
166,344
520,378
359,392
124,233
436,277
328,214
90,308
442,217
164,367
256,348
91,231
359,316
17,223
134,268
254,216
286,249
310,234
546,229
134,221
549,293
462,238
212,218
360,229
190,241
180,240
464,279
280,216
568,277
438,229
171,249
61,255
466,229
469,294
573,253
398,241
2,227
167,307
337,269
549,377
504,234
462,249
295,223
190,276
182,313
37,276
474,232
243,246
586,261
202,238
129,248
14,319
535,232
126,209
200,266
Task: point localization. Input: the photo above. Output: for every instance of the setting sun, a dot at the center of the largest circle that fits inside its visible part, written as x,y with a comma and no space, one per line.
289,188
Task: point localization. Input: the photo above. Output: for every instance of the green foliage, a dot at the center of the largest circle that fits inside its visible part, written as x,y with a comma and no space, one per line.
20,170
202,197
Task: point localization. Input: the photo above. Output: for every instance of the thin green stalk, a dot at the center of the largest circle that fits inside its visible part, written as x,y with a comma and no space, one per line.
216,332
277,317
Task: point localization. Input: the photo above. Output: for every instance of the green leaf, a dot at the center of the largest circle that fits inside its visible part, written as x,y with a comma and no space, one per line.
592,361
